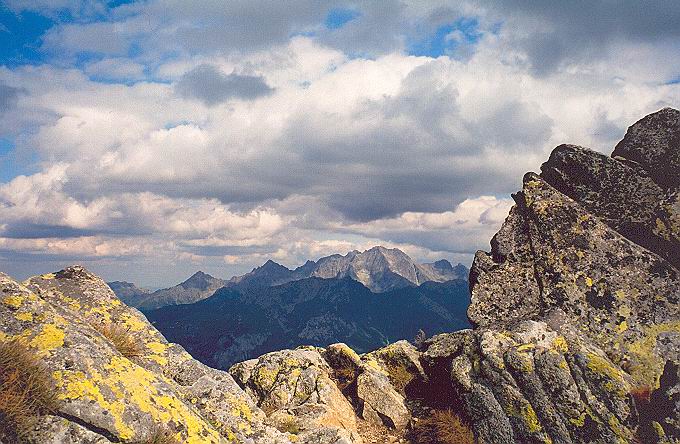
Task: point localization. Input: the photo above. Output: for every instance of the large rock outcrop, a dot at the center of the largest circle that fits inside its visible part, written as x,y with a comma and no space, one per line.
576,306
104,396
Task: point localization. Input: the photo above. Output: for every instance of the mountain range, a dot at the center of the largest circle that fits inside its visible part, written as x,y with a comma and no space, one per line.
379,269
236,324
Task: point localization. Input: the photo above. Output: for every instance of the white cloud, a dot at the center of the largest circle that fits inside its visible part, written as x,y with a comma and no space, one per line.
355,143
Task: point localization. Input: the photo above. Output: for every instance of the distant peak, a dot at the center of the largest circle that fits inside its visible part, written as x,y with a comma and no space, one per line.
270,264
198,280
443,264
199,274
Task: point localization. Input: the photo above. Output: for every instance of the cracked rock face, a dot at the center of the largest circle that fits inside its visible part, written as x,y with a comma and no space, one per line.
294,388
576,306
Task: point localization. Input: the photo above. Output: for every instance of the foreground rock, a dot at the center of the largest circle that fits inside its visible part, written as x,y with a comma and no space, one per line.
105,396
576,305
294,388
108,392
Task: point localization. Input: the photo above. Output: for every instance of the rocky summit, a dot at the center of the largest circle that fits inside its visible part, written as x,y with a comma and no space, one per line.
380,269
576,336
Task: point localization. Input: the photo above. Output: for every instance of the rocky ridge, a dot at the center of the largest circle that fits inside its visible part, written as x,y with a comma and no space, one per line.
380,269
198,287
576,337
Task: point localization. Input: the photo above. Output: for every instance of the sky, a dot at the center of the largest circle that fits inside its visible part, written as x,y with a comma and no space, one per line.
148,140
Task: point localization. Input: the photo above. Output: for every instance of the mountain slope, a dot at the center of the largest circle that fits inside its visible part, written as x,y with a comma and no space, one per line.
240,324
128,292
199,286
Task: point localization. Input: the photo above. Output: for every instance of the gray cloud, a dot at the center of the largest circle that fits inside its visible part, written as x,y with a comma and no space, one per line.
555,33
8,97
209,85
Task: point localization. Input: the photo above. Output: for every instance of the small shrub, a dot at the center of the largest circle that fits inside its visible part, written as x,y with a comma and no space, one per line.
121,339
641,395
399,376
26,391
442,427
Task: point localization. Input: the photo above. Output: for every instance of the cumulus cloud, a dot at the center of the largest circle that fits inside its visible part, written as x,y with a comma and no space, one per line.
209,85
555,34
462,230
327,138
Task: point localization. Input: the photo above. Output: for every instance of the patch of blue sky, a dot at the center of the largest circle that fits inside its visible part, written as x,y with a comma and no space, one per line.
339,17
674,81
20,36
445,40
12,164
115,3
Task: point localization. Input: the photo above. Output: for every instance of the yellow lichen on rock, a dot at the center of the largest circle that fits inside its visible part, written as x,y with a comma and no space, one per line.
132,387
138,386
132,322
13,301
614,380
77,385
560,344
25,316
49,338
647,367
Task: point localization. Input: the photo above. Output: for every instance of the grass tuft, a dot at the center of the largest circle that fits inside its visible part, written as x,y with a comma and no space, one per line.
122,340
442,427
26,391
344,377
160,436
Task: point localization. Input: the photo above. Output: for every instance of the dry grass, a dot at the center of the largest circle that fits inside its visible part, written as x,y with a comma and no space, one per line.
121,339
161,436
641,395
289,425
26,391
344,377
442,427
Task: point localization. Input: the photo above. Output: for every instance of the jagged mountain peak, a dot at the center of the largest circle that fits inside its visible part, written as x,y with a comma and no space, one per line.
443,264
379,268
199,280
271,265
